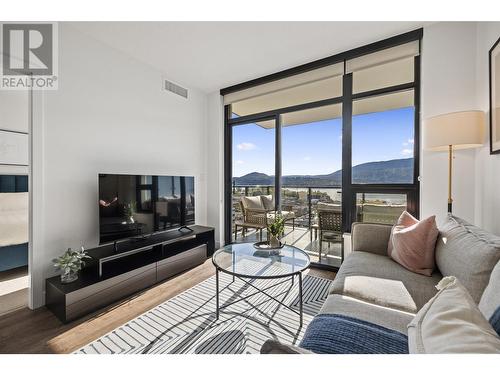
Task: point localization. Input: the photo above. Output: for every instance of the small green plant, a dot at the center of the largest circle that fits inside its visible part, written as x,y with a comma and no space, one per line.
129,209
277,227
71,261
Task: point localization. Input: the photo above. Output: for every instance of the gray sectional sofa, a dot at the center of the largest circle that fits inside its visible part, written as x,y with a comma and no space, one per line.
372,287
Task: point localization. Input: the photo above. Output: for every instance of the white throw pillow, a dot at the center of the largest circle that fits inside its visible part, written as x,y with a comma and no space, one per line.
451,323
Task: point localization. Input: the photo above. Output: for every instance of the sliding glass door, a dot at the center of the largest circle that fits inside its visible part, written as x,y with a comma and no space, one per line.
253,179
311,181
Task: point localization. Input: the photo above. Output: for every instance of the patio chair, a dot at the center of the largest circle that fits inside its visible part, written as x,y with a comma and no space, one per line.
330,228
380,213
258,211
253,217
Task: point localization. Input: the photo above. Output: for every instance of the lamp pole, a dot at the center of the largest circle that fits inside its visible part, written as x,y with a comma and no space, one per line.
450,165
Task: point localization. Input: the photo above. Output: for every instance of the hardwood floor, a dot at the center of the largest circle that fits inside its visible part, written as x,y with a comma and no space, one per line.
13,290
27,331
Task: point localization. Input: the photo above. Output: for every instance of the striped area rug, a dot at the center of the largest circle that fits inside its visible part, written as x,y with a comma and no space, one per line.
187,322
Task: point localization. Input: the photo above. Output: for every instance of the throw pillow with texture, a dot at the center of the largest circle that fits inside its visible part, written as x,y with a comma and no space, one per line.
412,243
467,252
451,323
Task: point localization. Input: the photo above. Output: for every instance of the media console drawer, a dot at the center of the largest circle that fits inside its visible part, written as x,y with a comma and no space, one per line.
176,264
108,291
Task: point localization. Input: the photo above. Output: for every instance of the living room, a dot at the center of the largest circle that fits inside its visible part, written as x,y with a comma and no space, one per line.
230,187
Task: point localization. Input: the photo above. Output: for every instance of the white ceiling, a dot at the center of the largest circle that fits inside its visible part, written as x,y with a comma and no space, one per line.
213,55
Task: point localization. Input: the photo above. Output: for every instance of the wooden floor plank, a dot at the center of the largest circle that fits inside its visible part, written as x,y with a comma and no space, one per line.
39,331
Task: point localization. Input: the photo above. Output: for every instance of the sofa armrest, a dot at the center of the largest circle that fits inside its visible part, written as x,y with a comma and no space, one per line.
276,347
371,238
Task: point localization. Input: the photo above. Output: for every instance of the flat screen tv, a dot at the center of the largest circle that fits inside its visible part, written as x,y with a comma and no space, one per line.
139,205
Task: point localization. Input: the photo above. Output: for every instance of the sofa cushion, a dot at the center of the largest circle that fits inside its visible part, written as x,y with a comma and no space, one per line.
451,323
287,215
335,207
267,202
252,203
379,280
468,253
338,334
412,243
490,300
381,315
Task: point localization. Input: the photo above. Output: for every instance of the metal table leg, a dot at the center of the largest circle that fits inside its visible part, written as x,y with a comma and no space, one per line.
217,293
300,299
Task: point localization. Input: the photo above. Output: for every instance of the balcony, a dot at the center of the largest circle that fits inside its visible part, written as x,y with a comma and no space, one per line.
304,202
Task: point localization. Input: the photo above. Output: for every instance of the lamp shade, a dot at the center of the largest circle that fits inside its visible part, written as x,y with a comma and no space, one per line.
459,129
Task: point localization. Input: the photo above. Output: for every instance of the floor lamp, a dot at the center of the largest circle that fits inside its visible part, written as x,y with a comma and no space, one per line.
454,131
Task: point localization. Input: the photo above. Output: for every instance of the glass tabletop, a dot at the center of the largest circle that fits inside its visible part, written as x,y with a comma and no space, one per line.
245,260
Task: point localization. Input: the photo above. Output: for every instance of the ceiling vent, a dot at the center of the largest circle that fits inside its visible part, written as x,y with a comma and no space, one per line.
176,89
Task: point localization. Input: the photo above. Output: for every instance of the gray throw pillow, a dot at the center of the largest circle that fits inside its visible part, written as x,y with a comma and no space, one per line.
467,252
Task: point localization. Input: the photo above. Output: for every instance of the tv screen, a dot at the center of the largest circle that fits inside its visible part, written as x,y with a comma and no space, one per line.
138,205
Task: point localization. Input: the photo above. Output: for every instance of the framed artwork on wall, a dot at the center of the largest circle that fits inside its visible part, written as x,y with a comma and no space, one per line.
494,62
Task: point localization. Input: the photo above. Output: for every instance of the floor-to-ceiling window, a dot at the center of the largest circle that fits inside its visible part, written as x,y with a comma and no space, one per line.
325,144
311,181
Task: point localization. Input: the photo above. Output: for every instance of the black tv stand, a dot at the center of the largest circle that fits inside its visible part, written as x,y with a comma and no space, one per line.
120,269
184,227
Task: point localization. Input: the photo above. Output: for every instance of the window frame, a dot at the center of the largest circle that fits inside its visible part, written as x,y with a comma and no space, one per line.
349,190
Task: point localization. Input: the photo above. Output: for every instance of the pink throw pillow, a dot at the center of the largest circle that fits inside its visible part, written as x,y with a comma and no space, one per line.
412,243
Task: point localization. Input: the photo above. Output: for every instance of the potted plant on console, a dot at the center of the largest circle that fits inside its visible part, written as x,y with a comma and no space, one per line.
70,263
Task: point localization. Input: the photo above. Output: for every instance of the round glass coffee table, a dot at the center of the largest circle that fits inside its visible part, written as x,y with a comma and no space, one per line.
244,262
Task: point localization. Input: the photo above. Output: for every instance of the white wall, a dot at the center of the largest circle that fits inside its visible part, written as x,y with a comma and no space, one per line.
488,166
448,85
108,115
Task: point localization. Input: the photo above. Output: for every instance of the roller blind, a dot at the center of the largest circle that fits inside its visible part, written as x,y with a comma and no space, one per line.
401,52
388,67
289,83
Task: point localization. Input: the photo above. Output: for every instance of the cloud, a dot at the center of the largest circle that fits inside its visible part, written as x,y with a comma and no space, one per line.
239,162
407,152
410,141
307,158
246,146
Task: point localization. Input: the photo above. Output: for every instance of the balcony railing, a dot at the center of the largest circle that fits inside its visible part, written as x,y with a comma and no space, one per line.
304,200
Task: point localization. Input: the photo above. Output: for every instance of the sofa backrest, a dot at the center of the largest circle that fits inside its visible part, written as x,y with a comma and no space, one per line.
467,252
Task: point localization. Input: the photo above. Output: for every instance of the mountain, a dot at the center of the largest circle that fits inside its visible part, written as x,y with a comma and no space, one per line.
379,172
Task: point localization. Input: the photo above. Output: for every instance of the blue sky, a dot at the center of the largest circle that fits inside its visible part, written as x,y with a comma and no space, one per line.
316,148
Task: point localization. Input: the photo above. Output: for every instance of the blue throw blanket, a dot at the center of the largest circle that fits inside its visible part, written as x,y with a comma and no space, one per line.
339,334
495,320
